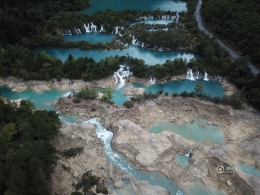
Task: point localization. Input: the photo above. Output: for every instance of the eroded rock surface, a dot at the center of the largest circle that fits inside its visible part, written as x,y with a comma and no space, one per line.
157,152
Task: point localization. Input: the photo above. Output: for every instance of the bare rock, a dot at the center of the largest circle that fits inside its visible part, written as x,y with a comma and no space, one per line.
119,184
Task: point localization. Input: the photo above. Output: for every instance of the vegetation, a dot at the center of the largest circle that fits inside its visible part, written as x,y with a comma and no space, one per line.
236,20
199,88
88,181
72,152
23,22
128,104
107,95
87,94
27,157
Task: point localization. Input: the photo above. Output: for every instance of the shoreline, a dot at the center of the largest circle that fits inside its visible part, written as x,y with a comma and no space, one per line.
19,85
146,155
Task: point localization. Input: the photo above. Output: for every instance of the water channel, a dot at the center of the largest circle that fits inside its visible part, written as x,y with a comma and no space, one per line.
149,56
45,100
119,5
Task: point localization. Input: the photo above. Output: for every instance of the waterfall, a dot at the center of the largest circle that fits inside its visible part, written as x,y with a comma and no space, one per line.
76,30
102,29
87,28
142,44
134,40
197,75
119,161
152,80
66,32
116,30
122,75
93,27
206,76
188,153
189,75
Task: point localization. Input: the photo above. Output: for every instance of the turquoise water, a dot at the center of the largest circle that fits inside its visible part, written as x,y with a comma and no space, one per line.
118,97
191,131
250,170
71,119
182,160
119,161
149,56
90,37
119,5
42,100
152,22
212,88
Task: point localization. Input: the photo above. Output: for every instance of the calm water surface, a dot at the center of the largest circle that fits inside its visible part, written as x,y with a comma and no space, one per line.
90,37
119,5
149,56
213,88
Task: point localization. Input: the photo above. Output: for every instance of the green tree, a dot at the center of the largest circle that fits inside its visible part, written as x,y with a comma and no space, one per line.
107,94
199,88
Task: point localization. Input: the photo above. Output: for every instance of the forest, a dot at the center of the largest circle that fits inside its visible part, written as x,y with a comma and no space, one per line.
23,22
27,158
238,21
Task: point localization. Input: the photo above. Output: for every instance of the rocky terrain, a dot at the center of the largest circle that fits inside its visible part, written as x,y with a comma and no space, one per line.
157,152
19,85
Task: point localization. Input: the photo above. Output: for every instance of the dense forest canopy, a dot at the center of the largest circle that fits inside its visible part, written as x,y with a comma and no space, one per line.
22,22
27,158
237,20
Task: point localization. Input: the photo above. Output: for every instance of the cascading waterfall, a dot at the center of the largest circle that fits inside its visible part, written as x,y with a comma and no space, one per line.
134,40
76,30
102,29
122,75
116,30
87,28
152,79
119,161
206,76
66,32
93,27
189,75
197,74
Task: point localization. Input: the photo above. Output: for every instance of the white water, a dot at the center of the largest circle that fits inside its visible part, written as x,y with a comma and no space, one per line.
87,28
122,75
152,80
189,75
119,161
93,27
206,76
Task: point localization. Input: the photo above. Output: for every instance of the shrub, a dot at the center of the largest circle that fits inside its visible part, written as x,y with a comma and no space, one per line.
76,100
192,94
217,100
184,94
72,152
150,95
86,94
175,94
128,104
166,93
160,91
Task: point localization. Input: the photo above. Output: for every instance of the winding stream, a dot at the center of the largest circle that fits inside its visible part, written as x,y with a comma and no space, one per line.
119,161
